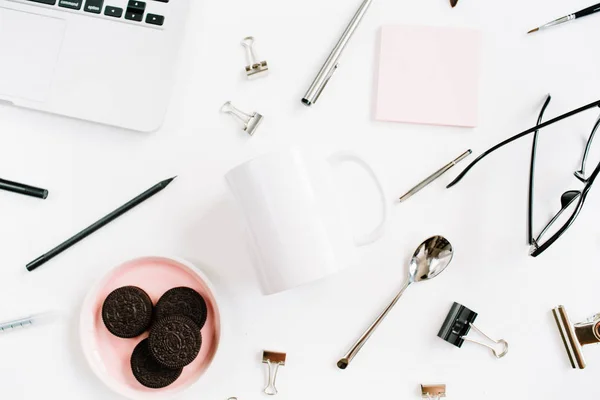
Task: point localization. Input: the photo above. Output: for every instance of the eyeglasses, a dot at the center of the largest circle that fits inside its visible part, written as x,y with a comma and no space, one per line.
571,201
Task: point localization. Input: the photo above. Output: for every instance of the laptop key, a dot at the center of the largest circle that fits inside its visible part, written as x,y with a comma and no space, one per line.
154,19
49,2
113,11
93,6
139,6
134,16
72,4
135,10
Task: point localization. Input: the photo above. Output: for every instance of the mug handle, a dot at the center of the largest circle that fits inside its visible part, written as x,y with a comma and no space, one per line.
377,233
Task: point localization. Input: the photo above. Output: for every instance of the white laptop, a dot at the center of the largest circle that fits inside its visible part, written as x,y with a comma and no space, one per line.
106,61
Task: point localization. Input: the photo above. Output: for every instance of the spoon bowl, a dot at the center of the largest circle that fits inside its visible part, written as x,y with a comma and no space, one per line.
430,259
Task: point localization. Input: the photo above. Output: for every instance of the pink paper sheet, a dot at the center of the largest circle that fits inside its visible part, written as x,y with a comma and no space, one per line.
428,75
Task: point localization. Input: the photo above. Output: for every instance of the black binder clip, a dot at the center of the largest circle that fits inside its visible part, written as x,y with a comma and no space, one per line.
575,336
457,326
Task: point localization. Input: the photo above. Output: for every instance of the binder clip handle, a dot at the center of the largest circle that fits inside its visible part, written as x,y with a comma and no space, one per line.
494,349
271,389
248,44
230,109
274,361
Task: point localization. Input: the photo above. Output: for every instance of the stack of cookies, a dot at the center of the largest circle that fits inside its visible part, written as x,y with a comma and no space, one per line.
174,324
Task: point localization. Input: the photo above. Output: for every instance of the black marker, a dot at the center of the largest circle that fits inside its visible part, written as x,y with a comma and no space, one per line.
23,189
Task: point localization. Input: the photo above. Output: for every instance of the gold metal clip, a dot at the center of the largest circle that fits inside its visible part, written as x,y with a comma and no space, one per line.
274,360
575,336
434,392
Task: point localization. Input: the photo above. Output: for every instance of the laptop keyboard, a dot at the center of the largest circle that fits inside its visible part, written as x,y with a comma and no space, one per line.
134,11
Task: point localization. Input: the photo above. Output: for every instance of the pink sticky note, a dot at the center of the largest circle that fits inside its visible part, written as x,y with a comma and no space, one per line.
428,75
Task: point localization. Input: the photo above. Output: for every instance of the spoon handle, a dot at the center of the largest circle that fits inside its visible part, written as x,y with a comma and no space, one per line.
347,359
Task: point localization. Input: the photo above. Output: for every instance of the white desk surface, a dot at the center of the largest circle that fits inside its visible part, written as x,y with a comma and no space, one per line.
90,169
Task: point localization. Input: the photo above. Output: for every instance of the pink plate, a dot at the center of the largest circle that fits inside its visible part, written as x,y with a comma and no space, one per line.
109,356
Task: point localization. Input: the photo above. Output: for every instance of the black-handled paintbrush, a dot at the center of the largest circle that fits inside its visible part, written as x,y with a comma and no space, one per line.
579,14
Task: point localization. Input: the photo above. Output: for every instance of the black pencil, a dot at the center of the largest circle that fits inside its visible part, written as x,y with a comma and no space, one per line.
99,224
20,188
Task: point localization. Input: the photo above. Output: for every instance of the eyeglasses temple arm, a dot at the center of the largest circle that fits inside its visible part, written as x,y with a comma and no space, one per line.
581,173
519,136
532,172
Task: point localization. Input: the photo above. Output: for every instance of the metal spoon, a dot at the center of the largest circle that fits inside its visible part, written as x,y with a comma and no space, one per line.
429,260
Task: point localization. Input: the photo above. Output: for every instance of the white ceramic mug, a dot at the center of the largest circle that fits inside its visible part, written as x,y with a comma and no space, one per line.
291,207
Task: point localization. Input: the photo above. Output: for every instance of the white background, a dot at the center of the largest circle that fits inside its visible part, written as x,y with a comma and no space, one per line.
91,169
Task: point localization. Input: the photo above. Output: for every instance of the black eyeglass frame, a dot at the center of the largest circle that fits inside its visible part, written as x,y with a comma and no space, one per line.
539,249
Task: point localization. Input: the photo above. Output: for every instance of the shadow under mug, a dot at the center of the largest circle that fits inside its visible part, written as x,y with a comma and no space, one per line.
296,226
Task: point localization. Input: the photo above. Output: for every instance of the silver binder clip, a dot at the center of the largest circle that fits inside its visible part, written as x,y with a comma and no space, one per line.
274,361
575,336
433,392
250,121
254,69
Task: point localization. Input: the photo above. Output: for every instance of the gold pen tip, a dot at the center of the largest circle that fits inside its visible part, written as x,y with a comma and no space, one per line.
533,30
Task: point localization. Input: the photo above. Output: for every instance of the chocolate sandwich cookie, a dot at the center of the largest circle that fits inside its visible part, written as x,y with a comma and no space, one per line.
148,372
175,341
182,301
127,312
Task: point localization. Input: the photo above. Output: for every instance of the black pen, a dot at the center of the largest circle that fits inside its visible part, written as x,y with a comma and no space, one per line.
38,262
579,14
20,188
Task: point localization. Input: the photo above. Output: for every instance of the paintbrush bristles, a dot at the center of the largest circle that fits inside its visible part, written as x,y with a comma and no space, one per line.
453,3
533,30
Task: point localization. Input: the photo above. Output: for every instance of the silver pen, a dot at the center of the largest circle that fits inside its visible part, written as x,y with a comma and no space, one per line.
27,321
331,65
435,176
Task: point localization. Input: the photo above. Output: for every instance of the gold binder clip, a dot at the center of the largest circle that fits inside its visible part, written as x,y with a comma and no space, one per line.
274,361
575,336
433,392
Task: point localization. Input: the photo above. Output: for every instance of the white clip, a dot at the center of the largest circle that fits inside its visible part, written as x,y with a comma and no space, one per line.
254,69
250,121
